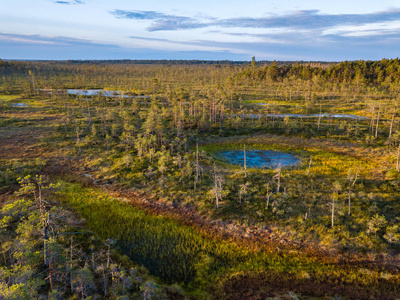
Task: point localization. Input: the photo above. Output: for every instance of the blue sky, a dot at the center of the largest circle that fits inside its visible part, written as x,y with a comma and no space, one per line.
208,30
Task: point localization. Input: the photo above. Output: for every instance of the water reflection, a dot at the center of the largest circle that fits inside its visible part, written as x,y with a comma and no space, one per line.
104,93
19,105
259,158
324,115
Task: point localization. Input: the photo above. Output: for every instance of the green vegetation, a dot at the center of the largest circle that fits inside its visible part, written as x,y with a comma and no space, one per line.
177,253
324,228
47,254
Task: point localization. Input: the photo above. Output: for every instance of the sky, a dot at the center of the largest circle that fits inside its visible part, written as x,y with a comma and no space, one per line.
288,30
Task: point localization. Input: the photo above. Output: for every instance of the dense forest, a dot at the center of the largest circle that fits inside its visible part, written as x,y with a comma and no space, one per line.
154,179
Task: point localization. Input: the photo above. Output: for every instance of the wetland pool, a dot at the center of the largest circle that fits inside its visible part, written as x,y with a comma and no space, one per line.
259,158
104,93
19,105
324,115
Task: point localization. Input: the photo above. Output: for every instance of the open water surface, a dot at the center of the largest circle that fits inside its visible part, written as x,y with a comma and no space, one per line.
259,158
344,116
104,93
19,105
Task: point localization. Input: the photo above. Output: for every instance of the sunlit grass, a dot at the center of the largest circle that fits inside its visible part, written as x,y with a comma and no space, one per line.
324,161
7,98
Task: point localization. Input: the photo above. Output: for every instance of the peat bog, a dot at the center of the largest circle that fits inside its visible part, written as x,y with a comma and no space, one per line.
181,187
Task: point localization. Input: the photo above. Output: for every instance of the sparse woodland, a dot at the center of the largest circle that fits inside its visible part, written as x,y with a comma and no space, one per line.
127,196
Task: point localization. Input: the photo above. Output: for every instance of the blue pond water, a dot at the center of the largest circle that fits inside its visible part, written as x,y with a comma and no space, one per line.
259,158
105,93
344,116
19,105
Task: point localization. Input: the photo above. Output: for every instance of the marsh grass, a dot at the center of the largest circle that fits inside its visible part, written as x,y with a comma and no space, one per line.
190,107
182,254
328,161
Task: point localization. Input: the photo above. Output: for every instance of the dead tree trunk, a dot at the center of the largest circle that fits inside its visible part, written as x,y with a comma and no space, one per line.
244,159
309,167
391,125
78,141
351,184
197,166
319,122
377,123
333,210
371,125
216,187
398,159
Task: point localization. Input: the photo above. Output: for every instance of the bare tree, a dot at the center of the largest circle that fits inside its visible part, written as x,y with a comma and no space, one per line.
217,187
335,195
197,165
244,161
78,139
108,243
268,195
351,178
377,122
319,118
391,123
309,167
33,81
398,159
277,177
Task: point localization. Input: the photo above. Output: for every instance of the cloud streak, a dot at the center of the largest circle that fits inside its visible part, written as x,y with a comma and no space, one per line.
301,35
311,19
295,34
36,39
300,20
161,21
26,46
68,2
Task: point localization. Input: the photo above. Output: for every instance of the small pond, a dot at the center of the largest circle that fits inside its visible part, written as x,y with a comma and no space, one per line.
259,158
19,105
344,116
104,93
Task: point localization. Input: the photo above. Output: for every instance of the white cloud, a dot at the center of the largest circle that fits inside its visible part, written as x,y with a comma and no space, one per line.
381,28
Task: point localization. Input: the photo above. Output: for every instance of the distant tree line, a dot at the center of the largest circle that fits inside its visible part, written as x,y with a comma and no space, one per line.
380,72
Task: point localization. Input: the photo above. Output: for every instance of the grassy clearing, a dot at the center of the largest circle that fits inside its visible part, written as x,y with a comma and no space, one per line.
8,98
